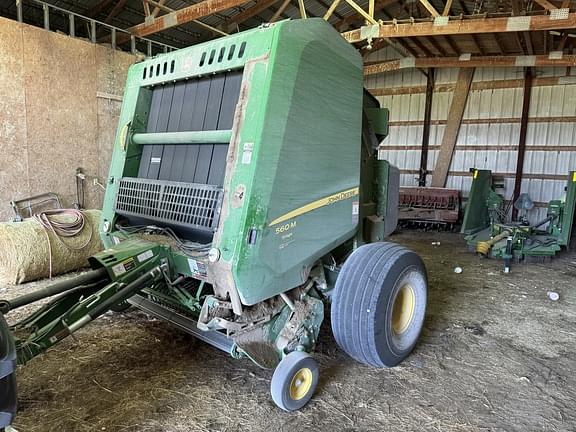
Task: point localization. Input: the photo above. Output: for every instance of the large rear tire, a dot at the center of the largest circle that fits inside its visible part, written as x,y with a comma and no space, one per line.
7,375
379,303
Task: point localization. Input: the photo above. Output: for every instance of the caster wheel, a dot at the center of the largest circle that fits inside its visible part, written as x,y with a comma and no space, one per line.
294,381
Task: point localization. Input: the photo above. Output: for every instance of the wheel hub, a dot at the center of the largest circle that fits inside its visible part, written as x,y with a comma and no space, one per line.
403,309
301,383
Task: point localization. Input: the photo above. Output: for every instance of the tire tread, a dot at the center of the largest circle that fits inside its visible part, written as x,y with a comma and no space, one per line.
357,290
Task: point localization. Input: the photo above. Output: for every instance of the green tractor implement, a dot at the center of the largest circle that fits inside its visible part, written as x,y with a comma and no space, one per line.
244,194
488,234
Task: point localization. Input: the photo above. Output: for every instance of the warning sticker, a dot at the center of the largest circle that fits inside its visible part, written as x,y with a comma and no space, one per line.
145,256
123,267
247,153
197,267
355,211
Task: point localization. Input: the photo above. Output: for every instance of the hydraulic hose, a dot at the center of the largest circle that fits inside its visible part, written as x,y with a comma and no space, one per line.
57,288
62,229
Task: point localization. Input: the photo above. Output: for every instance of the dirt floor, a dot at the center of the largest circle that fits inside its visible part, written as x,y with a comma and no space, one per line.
496,354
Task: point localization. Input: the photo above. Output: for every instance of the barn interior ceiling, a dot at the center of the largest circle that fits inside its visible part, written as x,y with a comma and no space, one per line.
429,29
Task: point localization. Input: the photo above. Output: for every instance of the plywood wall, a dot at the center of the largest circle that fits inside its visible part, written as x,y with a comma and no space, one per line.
60,100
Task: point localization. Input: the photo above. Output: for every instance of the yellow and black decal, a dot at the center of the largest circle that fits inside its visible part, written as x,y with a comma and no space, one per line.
322,202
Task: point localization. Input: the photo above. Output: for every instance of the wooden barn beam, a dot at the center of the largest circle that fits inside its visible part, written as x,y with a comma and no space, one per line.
160,6
473,37
546,4
429,8
447,7
280,10
522,139
378,5
473,62
183,16
331,9
452,128
461,26
248,13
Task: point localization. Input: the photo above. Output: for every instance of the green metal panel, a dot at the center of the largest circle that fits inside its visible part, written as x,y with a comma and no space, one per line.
293,166
476,214
378,118
569,211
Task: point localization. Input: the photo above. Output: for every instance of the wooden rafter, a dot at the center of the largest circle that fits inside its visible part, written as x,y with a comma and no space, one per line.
465,26
248,13
161,6
436,46
527,47
183,16
280,10
302,9
473,62
118,7
452,44
429,8
157,8
455,115
474,37
327,6
546,4
331,9
378,5
447,7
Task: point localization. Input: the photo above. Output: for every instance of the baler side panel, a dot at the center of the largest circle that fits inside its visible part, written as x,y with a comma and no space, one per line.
304,161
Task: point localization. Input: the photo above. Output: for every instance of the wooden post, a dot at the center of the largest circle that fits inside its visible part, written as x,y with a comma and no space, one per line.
522,139
452,127
426,131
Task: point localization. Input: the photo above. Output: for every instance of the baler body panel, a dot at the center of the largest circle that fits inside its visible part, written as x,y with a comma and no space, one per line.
304,192
292,104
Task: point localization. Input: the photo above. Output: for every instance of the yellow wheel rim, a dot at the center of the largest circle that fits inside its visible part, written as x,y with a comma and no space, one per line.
300,384
403,309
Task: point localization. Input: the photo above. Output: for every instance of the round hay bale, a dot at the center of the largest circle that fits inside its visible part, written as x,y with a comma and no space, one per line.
25,252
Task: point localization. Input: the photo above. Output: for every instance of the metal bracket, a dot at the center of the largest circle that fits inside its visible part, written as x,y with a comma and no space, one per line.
441,21
370,32
520,23
525,61
559,14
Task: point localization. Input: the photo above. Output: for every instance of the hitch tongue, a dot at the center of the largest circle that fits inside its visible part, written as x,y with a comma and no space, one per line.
123,293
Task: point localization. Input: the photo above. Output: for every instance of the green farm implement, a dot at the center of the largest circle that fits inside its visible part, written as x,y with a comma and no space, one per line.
244,195
488,234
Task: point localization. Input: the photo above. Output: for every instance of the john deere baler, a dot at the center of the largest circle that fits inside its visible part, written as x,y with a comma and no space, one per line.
244,194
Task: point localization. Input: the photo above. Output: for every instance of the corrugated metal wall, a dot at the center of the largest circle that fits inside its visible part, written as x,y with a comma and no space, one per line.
490,131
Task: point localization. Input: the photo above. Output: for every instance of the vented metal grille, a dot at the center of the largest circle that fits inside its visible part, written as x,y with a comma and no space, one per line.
187,204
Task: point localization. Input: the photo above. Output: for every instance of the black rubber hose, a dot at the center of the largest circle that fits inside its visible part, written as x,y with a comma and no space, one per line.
57,288
543,221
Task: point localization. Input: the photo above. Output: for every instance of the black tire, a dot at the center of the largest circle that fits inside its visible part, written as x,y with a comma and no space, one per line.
7,375
379,303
